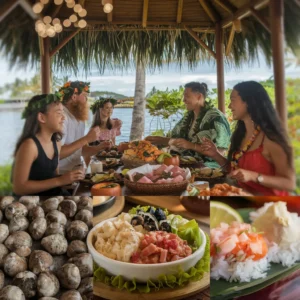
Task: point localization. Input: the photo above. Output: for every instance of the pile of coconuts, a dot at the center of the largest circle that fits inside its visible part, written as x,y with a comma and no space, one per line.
43,252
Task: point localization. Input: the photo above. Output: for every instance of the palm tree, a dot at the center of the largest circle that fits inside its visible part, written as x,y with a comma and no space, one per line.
138,114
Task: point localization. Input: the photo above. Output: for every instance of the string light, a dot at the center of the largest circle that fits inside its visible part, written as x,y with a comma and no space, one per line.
38,7
108,8
82,23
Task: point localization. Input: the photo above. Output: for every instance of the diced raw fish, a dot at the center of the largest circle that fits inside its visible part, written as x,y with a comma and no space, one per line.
178,178
160,170
145,179
163,256
151,249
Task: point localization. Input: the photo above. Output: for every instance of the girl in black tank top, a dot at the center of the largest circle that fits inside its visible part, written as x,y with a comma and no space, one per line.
34,173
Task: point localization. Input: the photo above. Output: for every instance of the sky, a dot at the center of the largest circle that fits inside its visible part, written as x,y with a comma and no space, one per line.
169,77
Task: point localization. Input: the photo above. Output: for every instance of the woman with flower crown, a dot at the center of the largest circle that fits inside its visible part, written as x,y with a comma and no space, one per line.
260,157
109,128
37,152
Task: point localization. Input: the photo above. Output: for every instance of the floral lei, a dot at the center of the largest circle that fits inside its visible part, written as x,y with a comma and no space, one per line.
188,120
238,154
100,103
71,87
37,106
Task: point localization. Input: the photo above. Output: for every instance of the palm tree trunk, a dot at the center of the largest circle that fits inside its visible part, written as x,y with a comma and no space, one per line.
138,114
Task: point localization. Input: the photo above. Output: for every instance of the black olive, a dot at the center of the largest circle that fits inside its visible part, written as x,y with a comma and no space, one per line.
151,210
165,226
150,227
160,215
137,220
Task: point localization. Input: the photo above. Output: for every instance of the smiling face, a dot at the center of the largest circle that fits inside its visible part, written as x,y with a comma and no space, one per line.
192,100
237,106
107,110
54,117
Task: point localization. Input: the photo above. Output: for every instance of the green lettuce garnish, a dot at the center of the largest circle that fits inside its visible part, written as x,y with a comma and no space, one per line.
134,210
163,281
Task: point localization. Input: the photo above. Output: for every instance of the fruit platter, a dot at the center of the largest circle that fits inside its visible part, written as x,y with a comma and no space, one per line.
143,152
147,245
157,179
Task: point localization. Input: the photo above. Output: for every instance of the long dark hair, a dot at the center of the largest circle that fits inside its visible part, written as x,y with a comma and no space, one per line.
262,113
97,118
32,126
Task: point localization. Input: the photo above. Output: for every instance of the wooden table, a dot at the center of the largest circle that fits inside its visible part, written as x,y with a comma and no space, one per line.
202,220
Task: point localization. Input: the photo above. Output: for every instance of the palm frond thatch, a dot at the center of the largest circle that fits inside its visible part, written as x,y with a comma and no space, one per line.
119,49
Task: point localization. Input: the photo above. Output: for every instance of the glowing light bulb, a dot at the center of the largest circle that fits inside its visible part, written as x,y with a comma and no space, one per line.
67,23
108,8
38,7
77,8
73,18
47,20
83,13
82,23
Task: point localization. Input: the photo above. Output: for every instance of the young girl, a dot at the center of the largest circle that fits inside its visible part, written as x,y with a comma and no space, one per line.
109,128
37,151
260,155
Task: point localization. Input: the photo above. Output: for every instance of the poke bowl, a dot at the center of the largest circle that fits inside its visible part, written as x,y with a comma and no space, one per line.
139,267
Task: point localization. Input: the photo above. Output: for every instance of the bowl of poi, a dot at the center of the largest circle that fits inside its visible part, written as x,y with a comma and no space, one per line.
157,179
106,189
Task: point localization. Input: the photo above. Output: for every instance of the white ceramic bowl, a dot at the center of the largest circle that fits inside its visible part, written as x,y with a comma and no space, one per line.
143,272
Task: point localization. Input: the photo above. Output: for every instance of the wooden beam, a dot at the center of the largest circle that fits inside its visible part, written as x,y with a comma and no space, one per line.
244,11
237,24
110,15
148,28
56,9
179,11
230,41
200,23
45,66
260,19
196,37
145,13
220,67
226,5
64,42
277,40
210,10
7,8
27,6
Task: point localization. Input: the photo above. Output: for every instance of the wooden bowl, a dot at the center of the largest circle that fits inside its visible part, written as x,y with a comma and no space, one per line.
198,205
156,188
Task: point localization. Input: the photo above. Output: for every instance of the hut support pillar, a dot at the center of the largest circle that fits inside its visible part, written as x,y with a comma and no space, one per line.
220,67
277,38
45,65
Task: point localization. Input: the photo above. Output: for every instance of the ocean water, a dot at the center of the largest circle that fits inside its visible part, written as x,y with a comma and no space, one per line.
12,125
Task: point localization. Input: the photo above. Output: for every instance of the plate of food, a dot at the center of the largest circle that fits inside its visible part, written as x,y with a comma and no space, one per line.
211,175
148,249
112,153
110,175
157,179
223,189
190,161
111,163
259,248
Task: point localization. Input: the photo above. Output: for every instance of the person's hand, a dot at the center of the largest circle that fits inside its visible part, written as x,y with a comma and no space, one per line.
71,177
106,145
242,175
208,148
93,134
182,143
118,123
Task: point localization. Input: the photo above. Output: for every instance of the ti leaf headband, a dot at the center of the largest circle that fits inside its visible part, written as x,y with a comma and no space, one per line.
100,103
71,87
38,105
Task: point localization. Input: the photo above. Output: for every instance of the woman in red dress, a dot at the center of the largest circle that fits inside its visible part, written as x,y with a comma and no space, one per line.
260,156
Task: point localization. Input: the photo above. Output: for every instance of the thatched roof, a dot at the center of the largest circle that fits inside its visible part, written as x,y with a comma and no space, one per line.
118,39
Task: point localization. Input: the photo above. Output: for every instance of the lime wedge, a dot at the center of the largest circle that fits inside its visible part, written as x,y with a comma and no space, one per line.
221,212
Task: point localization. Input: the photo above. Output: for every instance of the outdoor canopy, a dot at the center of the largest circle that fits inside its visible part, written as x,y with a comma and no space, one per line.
156,32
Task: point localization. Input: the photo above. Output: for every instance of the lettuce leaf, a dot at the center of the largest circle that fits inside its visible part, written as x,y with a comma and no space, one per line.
191,233
163,281
134,210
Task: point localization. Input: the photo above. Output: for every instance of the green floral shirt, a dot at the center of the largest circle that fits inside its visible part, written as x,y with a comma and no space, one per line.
211,123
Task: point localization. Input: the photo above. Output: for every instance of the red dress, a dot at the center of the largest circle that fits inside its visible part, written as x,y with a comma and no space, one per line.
255,161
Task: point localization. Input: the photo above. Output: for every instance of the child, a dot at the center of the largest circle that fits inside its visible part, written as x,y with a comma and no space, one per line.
35,170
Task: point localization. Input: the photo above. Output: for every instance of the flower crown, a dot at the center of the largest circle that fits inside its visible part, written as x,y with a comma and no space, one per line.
74,87
34,107
100,103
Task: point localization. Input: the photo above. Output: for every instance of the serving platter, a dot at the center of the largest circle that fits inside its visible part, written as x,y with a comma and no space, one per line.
102,200
192,288
224,290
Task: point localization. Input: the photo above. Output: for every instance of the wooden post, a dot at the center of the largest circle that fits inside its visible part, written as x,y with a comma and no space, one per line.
220,67
45,66
277,38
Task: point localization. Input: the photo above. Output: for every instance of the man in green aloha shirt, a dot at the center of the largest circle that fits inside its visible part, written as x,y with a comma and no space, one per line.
201,121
